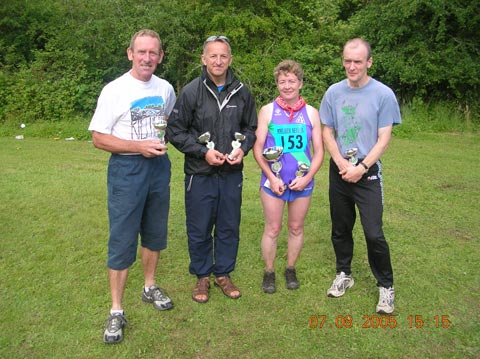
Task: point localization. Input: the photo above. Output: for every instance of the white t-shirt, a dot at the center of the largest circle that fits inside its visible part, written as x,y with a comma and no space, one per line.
126,107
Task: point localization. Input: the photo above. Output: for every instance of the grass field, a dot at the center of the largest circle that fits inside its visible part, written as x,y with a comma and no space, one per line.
54,296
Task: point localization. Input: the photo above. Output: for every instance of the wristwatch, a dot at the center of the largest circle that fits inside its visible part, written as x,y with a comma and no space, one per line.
364,166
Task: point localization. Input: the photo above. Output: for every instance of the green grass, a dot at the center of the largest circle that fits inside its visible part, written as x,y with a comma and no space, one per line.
54,296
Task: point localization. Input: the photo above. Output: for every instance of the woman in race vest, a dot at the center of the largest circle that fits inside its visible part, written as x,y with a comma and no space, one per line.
289,151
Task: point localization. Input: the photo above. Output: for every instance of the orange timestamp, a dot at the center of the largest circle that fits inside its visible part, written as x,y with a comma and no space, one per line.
377,321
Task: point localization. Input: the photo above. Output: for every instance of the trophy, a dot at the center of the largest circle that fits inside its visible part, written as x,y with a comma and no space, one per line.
160,124
236,144
351,155
205,139
302,169
273,154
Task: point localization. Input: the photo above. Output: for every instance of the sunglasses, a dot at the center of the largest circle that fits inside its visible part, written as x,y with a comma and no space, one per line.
217,37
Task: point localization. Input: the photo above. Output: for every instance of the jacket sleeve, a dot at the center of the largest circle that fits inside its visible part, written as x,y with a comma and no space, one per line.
180,132
249,122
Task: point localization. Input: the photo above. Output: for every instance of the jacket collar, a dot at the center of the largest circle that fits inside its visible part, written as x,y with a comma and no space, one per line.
230,78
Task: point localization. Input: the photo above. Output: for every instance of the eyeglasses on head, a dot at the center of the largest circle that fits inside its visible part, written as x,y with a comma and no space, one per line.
217,37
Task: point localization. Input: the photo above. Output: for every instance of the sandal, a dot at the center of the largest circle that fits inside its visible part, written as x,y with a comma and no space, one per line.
201,289
227,286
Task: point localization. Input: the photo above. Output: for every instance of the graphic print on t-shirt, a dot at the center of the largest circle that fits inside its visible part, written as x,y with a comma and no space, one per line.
352,128
142,113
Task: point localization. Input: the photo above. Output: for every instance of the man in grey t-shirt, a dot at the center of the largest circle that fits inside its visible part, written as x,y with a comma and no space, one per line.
358,114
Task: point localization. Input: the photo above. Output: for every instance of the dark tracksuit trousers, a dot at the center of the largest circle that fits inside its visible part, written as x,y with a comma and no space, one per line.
212,206
367,195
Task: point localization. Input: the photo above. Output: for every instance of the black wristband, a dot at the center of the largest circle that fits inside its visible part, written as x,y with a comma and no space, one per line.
364,166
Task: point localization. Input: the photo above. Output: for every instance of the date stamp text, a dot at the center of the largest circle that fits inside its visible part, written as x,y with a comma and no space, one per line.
376,321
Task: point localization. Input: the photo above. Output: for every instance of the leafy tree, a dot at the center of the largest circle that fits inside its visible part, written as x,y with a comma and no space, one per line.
56,55
24,28
424,48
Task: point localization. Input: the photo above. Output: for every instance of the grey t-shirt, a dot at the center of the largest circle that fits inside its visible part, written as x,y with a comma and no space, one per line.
356,114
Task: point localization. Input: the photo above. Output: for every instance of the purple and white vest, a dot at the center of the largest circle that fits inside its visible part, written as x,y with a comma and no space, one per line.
294,136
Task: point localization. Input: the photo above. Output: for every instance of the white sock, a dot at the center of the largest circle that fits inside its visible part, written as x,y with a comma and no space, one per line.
113,312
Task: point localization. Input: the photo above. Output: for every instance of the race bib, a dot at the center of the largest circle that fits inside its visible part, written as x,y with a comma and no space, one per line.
292,137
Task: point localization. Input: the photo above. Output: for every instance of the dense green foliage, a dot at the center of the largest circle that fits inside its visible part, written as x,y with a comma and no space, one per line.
56,55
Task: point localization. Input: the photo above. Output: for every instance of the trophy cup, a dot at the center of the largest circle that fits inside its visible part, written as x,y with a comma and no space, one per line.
351,155
236,144
160,124
205,139
302,169
273,154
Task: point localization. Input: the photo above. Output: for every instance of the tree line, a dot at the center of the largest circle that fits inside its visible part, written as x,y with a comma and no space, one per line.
56,55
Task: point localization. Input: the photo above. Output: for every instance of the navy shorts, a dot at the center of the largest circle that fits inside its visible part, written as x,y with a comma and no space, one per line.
138,204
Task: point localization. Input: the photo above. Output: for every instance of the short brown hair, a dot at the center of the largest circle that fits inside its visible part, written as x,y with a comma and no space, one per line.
145,32
288,66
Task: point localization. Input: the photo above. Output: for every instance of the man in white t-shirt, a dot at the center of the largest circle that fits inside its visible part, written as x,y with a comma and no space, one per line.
138,173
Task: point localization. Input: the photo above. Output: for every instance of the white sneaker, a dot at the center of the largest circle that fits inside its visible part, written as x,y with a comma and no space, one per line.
341,282
385,301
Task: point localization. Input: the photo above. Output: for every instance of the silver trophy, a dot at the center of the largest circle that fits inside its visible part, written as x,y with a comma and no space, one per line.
160,124
273,154
204,138
236,144
302,169
351,155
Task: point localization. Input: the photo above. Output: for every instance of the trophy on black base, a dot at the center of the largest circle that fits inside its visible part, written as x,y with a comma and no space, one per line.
160,124
236,144
302,169
273,154
351,155
204,138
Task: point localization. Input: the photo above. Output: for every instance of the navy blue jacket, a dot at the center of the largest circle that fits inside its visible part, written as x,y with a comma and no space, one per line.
200,107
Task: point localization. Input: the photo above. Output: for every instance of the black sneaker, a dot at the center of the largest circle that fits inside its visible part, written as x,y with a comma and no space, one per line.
158,297
114,332
291,278
268,284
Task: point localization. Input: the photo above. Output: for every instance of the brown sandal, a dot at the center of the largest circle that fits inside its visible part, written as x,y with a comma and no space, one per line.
227,286
201,289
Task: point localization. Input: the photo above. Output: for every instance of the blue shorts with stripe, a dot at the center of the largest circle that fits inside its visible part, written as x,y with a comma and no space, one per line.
138,205
288,195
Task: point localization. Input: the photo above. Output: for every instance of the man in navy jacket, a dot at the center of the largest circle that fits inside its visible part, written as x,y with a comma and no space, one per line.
213,113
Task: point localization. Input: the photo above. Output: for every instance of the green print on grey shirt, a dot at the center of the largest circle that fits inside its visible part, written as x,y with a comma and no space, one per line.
352,129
